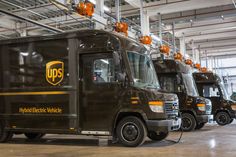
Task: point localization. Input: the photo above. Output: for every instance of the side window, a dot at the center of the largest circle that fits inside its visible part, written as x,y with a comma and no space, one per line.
167,83
103,70
25,64
210,91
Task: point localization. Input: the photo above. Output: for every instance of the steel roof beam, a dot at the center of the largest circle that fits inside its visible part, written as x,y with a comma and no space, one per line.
187,5
53,29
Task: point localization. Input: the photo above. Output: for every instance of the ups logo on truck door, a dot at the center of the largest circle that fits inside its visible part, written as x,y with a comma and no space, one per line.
54,72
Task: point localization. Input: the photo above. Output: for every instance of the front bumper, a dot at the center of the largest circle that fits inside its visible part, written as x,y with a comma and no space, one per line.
204,118
163,125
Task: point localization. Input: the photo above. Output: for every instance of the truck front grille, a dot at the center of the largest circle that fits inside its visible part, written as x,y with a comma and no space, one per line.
171,108
208,109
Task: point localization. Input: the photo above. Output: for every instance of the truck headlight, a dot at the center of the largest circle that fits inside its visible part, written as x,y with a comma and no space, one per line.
156,106
201,107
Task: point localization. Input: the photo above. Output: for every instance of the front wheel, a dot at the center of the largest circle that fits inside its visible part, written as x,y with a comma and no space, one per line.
4,135
188,122
231,120
222,118
199,126
131,131
157,137
34,136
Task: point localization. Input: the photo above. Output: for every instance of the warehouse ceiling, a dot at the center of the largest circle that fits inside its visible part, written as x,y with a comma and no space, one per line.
209,24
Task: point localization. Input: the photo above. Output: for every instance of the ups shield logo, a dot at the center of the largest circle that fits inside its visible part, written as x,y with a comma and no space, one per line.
54,72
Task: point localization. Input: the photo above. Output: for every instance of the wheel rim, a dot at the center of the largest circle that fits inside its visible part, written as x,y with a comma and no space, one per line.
222,119
130,132
186,123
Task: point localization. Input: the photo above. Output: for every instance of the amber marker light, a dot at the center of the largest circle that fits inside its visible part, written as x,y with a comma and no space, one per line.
165,49
147,40
189,62
203,69
178,56
122,27
198,66
85,9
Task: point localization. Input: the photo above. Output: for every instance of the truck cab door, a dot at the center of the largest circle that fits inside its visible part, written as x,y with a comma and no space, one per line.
212,92
99,91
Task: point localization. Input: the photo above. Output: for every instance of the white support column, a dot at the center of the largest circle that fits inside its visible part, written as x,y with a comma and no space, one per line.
182,45
193,51
197,54
99,7
144,18
117,7
145,23
160,27
23,33
173,37
99,12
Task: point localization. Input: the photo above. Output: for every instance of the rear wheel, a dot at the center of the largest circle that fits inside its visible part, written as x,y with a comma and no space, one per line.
4,135
34,136
199,126
157,137
222,118
131,131
188,122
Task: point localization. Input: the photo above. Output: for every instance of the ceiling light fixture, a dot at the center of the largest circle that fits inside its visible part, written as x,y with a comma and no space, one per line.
106,9
222,16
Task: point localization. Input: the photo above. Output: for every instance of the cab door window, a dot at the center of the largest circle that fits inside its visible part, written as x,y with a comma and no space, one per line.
103,70
211,91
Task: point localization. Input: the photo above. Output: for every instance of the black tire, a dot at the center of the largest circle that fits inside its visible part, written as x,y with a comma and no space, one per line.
5,136
188,122
131,131
222,118
199,126
34,136
157,137
231,120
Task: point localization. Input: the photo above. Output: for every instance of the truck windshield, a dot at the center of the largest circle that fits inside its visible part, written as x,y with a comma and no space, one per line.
190,85
223,91
143,72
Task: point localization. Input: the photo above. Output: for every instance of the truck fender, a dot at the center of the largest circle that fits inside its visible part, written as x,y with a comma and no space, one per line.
128,112
190,112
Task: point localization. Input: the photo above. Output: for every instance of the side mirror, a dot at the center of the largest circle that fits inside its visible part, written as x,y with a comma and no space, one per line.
116,58
120,77
178,80
180,88
218,93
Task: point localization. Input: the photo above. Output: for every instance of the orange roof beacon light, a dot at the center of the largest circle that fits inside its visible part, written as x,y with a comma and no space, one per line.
178,56
165,49
203,69
121,27
197,66
189,62
147,40
85,8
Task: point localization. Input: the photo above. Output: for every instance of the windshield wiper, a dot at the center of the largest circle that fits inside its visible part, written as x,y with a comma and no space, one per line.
150,86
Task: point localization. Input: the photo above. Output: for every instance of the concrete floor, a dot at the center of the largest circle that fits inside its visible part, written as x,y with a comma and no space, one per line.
211,141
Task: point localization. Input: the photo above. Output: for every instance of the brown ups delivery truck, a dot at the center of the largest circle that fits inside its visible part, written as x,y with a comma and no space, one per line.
87,82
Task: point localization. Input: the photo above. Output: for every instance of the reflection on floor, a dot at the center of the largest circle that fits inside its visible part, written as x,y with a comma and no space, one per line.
212,141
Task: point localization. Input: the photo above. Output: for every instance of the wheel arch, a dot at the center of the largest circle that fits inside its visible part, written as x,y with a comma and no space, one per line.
222,110
190,112
125,113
